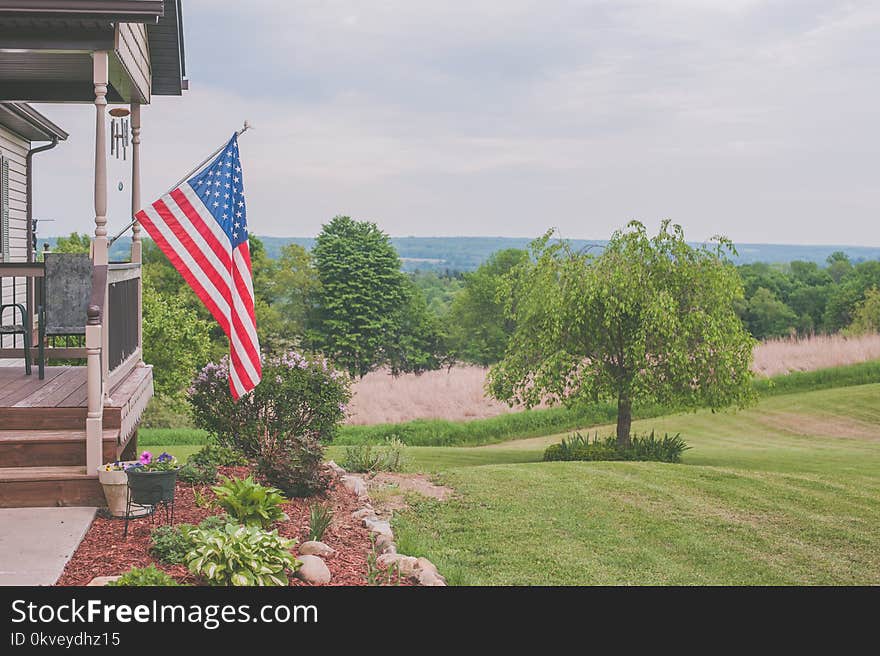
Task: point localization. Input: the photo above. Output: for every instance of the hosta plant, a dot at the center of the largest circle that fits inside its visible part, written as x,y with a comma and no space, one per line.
249,502
241,555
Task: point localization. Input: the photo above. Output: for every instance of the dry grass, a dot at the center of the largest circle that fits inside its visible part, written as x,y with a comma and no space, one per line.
455,394
458,394
782,356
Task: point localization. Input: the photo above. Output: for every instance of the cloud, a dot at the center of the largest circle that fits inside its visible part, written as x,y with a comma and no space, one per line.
754,118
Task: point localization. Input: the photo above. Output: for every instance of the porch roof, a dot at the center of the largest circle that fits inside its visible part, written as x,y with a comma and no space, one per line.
129,11
46,46
28,123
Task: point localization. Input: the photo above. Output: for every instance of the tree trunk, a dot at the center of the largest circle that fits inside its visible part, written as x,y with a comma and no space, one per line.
624,420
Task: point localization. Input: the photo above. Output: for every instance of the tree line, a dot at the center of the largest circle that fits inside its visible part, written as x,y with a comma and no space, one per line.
349,299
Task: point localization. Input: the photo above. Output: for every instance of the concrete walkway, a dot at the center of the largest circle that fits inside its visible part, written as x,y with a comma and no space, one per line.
36,543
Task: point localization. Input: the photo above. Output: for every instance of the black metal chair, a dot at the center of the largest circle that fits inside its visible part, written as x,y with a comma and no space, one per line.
67,288
17,328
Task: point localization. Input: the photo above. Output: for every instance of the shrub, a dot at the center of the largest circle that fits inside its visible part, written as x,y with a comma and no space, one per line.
197,474
249,502
202,465
171,544
372,458
646,447
299,395
214,455
296,467
241,555
320,516
144,576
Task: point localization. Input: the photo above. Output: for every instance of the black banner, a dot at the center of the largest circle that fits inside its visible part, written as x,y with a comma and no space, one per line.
122,618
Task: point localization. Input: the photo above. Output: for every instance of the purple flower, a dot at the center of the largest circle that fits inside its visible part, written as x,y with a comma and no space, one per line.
146,458
165,457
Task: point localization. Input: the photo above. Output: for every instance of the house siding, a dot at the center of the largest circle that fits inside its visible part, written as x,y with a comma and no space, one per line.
133,52
14,149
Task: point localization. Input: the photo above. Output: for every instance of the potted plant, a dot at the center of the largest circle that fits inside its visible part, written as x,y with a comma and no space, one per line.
114,480
152,480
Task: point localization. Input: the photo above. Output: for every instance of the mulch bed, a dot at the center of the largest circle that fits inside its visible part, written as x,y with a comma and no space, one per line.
103,552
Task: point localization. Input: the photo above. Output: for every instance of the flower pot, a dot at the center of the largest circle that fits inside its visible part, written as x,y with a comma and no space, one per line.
115,484
151,487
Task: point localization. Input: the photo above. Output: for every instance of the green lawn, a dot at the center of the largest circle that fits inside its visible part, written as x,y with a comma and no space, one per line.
787,492
784,493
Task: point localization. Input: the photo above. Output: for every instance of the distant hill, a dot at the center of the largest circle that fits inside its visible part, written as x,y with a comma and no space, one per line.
467,253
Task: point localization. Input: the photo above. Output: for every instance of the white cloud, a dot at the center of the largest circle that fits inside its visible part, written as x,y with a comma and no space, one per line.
751,117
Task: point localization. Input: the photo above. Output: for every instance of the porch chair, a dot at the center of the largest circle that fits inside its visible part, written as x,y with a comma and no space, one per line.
67,289
16,328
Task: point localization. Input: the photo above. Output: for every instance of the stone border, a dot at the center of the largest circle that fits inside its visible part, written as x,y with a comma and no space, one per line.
421,570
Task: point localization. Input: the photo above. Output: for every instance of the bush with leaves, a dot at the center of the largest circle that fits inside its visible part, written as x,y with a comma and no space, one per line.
669,448
170,544
299,395
241,555
388,457
249,502
214,455
296,467
144,576
197,475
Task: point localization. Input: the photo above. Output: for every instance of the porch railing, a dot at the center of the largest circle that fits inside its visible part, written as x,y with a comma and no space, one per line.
112,336
123,321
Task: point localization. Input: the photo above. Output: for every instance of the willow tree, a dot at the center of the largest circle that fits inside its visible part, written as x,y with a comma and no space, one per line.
644,319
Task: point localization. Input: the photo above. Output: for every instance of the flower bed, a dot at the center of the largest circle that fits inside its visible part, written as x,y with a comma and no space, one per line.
103,552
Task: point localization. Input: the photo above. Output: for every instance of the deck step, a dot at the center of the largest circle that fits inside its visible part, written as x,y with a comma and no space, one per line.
33,448
22,487
41,473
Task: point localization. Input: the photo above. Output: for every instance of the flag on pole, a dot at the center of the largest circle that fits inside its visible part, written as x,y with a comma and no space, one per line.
201,226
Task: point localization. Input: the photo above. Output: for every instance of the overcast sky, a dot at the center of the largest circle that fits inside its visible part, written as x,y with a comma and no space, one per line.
757,119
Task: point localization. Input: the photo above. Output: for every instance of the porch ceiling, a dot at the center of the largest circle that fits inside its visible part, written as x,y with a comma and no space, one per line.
49,77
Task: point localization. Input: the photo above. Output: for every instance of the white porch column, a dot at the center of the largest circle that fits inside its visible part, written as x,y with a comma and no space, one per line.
136,244
136,255
96,330
100,244
100,72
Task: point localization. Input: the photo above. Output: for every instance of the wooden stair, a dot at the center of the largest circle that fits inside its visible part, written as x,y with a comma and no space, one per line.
26,480
22,487
43,437
34,448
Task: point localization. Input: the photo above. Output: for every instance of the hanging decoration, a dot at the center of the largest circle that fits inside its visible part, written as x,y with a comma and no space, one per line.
119,131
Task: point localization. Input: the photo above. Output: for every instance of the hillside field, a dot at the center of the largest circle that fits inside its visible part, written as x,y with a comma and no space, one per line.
786,492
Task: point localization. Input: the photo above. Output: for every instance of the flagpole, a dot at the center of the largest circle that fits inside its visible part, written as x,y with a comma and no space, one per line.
247,126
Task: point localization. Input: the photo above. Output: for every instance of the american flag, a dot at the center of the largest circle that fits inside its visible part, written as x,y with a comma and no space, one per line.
201,226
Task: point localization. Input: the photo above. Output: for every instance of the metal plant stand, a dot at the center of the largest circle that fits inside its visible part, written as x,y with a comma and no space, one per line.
147,491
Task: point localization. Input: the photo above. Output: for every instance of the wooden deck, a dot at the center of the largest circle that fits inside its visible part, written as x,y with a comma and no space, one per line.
43,438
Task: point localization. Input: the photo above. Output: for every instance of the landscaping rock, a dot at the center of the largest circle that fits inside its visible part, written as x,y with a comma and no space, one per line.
315,548
385,544
427,566
101,580
354,485
364,512
313,570
430,578
338,471
406,565
378,526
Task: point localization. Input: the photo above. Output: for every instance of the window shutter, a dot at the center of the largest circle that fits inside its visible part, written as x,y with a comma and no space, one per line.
4,209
